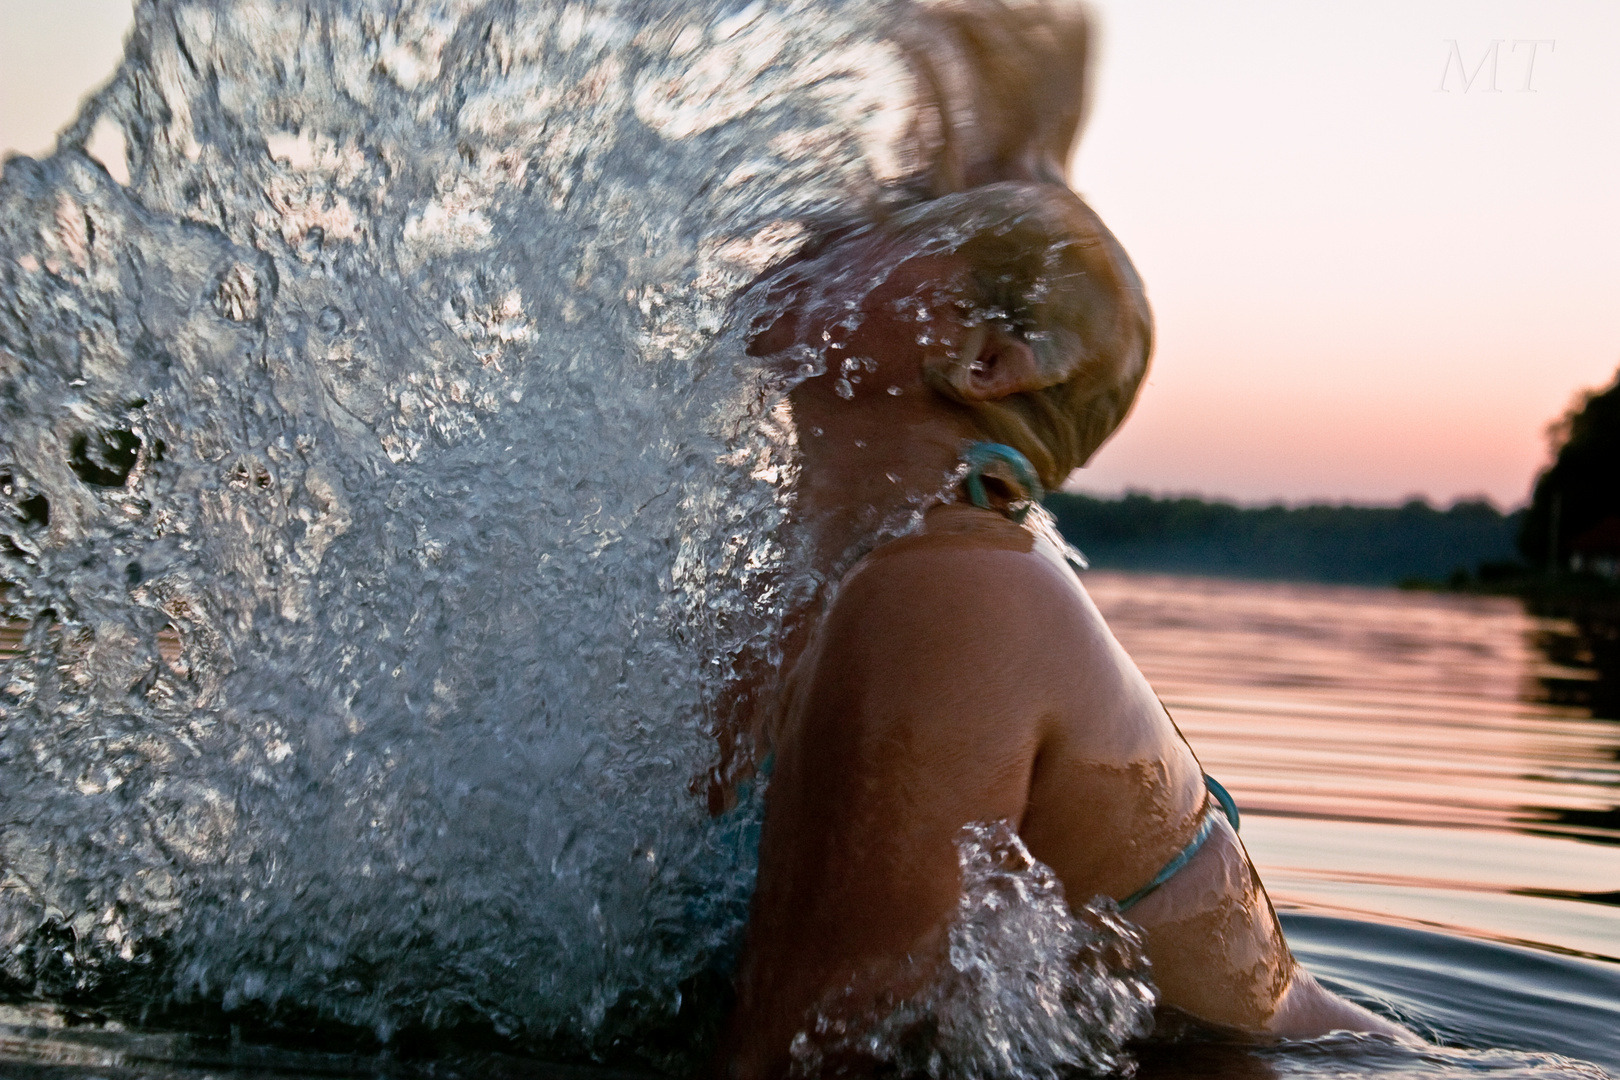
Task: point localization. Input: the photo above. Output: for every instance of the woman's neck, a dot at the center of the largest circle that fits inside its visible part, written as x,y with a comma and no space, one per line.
866,461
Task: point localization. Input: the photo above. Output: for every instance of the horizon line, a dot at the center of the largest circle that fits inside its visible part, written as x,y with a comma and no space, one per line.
1308,502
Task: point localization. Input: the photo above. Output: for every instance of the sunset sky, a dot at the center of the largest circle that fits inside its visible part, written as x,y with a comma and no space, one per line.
1367,286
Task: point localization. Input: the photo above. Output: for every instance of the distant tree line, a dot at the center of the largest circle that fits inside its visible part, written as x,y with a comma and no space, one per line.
1362,545
1562,551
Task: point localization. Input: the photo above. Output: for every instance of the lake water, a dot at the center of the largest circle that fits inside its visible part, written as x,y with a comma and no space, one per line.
1438,836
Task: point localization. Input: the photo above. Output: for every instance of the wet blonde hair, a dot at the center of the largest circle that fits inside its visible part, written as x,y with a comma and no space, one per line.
1002,92
1043,263
999,102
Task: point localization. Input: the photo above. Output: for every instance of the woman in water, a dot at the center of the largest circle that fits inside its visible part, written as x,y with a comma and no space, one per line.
976,348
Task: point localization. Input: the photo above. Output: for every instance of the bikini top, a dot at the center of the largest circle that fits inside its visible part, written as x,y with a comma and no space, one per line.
981,455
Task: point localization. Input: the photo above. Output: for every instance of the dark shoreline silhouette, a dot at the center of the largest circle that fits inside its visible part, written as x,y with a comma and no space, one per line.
1415,544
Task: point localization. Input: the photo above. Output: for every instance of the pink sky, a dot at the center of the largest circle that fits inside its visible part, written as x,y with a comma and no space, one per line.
1366,287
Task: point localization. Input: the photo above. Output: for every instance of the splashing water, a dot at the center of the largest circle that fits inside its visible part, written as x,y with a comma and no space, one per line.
388,496
397,383
1029,989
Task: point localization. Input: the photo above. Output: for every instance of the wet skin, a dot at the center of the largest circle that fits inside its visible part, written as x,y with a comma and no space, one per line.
963,675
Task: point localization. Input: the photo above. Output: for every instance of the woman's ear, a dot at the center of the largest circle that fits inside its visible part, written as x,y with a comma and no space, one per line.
991,364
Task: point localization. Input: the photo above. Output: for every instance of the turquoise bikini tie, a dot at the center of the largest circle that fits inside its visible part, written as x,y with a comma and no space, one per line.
979,455
1224,807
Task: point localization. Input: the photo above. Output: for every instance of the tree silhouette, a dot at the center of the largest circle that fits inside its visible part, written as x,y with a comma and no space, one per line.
1580,491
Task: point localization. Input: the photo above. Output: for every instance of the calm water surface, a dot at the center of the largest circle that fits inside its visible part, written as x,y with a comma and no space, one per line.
1439,837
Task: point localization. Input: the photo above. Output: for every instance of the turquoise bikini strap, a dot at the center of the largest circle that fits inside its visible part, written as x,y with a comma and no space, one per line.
1223,797
979,455
1224,807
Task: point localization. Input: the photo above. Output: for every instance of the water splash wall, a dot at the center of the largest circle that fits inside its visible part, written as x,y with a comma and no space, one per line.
390,500
397,383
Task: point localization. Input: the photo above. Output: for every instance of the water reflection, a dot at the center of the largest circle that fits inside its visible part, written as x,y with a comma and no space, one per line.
1374,705
1426,791
1585,649
1399,755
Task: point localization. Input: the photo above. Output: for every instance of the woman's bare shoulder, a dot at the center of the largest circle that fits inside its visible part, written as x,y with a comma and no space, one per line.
968,598
931,679
964,558
974,617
